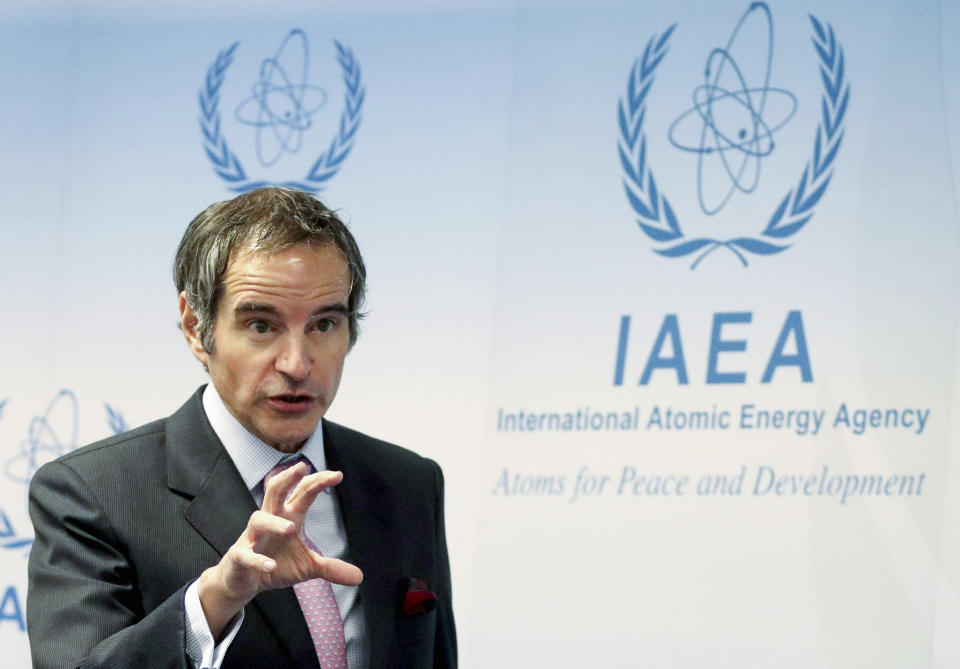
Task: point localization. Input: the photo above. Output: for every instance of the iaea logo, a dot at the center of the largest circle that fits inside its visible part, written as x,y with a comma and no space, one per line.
278,115
730,129
49,435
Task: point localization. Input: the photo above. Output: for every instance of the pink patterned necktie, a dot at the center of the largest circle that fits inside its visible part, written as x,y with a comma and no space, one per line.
317,601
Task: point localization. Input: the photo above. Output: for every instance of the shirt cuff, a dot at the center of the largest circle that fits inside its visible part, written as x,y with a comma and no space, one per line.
200,647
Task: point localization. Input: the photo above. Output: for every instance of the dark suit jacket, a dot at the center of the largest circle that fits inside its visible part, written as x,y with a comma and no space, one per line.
124,525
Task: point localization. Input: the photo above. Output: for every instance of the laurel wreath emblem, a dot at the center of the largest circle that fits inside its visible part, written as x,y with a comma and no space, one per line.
225,162
652,208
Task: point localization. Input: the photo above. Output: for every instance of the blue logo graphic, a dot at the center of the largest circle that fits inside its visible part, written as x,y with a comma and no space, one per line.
656,216
8,536
282,101
734,134
115,420
48,437
280,109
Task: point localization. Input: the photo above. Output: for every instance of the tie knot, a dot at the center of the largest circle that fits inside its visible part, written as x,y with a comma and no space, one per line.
284,465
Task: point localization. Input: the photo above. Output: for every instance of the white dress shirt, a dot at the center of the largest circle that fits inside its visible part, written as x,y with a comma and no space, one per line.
323,525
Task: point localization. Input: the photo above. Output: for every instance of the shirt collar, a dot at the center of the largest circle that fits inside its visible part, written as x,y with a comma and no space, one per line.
252,456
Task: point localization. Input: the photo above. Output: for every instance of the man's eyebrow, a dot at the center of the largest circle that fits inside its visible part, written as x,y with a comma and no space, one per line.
339,308
254,308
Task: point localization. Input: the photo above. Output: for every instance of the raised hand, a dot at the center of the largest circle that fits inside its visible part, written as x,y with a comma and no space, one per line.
271,552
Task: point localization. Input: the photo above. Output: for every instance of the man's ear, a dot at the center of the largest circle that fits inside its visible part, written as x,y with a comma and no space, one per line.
188,322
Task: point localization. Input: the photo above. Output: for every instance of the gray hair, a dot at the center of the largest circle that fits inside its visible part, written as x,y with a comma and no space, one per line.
262,220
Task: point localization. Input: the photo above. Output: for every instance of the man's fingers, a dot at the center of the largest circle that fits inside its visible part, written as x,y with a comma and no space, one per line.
246,559
337,571
264,526
309,487
279,487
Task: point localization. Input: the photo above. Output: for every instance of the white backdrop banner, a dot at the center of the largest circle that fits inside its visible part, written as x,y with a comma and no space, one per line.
669,290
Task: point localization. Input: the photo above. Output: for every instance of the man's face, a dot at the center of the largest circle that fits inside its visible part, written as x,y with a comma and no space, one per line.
280,338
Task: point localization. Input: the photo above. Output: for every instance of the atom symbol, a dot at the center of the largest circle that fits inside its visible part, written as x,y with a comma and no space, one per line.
735,134
278,104
50,436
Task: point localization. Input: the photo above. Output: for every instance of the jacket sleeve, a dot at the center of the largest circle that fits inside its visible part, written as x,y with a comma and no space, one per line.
83,604
445,647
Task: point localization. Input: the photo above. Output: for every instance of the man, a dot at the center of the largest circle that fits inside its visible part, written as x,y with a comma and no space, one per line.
150,549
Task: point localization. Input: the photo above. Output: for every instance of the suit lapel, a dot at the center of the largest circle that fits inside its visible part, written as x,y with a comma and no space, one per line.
199,467
369,539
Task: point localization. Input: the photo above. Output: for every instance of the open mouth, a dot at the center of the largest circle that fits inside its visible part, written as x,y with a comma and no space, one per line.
291,402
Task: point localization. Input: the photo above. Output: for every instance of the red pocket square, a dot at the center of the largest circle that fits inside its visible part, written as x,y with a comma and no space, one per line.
418,598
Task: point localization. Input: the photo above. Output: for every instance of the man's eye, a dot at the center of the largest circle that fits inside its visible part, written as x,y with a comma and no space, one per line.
259,326
325,324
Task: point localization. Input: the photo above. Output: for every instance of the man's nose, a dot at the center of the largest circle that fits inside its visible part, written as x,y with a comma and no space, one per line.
294,359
